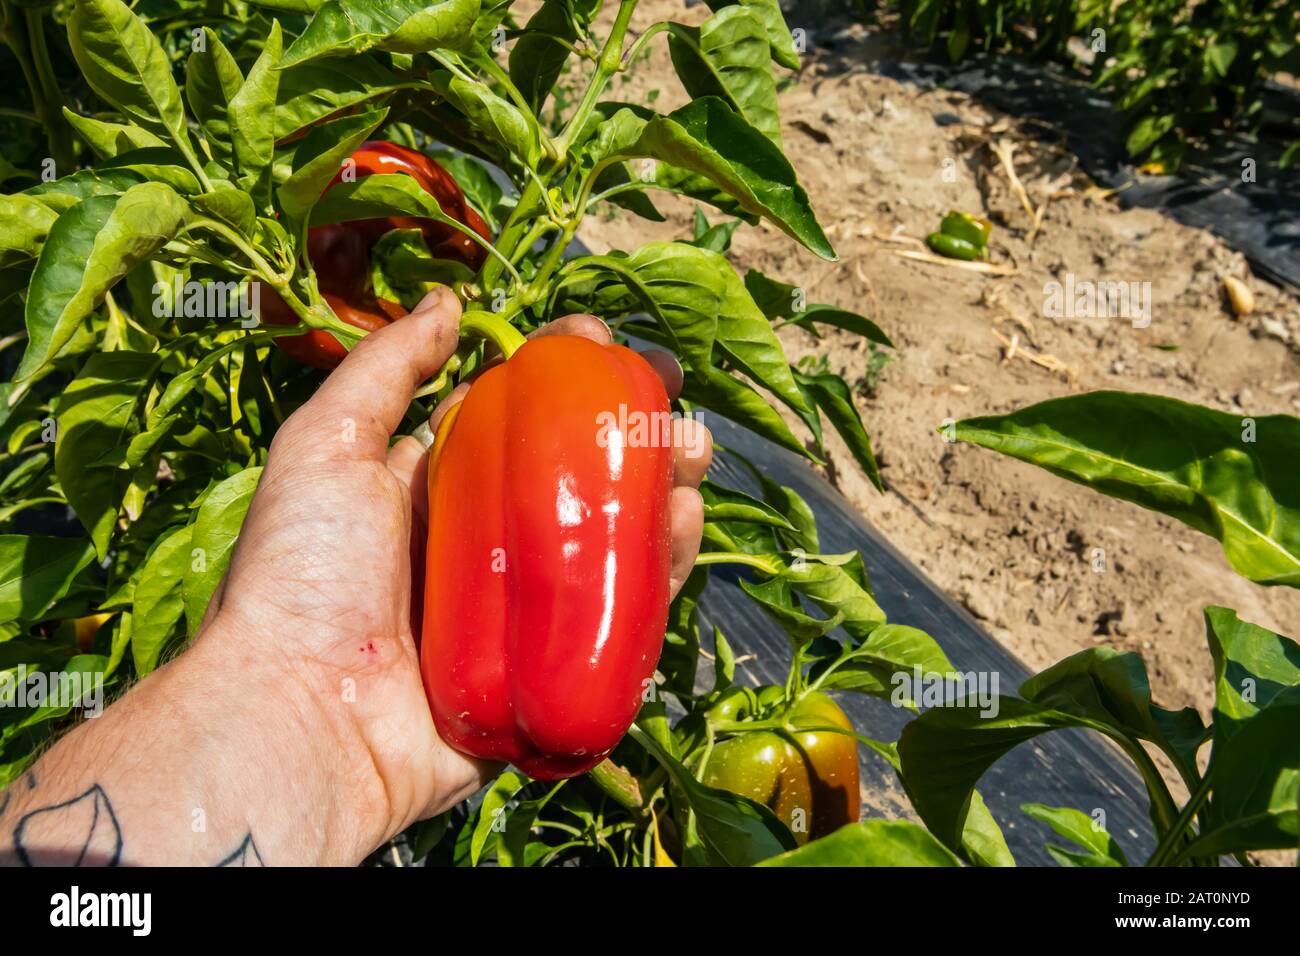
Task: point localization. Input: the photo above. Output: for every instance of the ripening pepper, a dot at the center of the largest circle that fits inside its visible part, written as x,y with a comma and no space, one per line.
547,571
340,252
809,780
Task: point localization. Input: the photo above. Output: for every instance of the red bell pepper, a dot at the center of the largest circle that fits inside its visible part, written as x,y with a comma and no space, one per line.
547,570
340,253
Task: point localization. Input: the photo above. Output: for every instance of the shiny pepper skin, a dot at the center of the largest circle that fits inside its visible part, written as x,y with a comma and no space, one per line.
340,252
547,569
809,780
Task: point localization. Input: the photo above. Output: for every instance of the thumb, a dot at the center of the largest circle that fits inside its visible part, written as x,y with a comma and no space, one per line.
367,395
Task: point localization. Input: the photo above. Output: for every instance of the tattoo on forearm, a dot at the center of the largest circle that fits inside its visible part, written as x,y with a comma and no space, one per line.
41,837
85,831
245,855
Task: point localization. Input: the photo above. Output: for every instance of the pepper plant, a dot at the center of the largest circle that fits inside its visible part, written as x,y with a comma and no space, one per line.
210,142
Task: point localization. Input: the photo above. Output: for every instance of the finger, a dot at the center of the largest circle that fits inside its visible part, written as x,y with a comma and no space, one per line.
409,461
454,397
361,403
692,452
686,509
580,323
667,368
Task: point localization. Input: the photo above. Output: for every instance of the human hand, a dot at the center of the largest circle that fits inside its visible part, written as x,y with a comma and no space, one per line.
319,587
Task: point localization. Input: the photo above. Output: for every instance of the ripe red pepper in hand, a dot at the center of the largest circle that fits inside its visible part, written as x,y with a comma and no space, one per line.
340,253
547,570
809,780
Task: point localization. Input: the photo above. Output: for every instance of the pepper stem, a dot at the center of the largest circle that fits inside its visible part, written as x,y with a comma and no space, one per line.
493,328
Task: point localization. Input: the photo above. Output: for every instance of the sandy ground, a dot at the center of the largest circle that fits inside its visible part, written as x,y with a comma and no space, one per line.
1013,544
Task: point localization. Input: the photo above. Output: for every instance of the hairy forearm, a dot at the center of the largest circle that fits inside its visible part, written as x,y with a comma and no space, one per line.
208,761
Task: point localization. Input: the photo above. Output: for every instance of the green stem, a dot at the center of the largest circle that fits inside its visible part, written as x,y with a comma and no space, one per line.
756,561
492,327
618,784
1169,842
24,34
239,242
23,115
635,49
514,229
609,63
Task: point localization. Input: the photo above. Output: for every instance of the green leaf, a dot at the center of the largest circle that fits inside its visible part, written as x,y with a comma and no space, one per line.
777,599
1251,666
88,249
1232,478
715,238
737,401
24,224
37,571
62,194
835,583
728,56
1147,131
398,26
213,536
1255,776
781,300
678,285
251,116
724,661
735,830
158,164
110,139
310,92
475,179
944,752
96,414
778,34
158,601
1100,847
488,824
832,396
982,840
537,57
681,652
871,666
1255,763
319,157
1109,687
727,504
492,116
710,139
228,203
403,270
379,195
125,64
212,79
1220,56
511,847
871,843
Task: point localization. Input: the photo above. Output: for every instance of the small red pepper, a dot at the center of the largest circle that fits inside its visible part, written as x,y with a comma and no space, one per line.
340,253
547,570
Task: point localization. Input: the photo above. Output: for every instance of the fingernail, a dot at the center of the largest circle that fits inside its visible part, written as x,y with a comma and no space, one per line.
424,435
431,300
